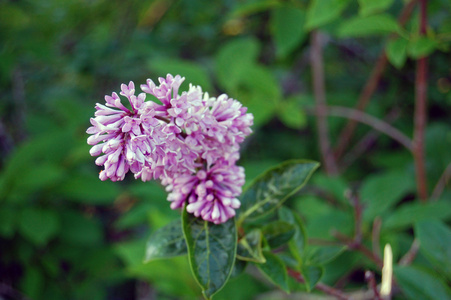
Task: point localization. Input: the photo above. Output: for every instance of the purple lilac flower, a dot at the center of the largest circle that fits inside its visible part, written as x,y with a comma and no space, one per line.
189,141
210,194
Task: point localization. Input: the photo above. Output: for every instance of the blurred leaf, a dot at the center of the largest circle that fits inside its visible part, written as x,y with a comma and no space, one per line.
312,275
8,221
421,46
287,24
250,247
278,233
192,72
80,230
323,255
371,25
32,283
252,7
380,192
233,59
275,270
166,242
321,12
368,7
138,214
323,225
397,52
409,213
435,244
419,284
299,241
290,113
89,189
259,91
336,186
211,251
39,225
272,188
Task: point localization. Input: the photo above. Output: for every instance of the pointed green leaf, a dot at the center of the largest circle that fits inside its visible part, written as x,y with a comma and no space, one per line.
321,12
211,251
278,233
287,24
275,270
417,283
272,188
435,244
39,225
167,241
299,241
407,214
234,59
368,7
397,52
312,275
371,25
250,247
323,255
421,46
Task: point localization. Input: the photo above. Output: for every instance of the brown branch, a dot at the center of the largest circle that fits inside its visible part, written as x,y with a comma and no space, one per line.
365,143
420,112
440,186
369,276
375,236
351,244
319,286
370,86
408,258
319,91
350,113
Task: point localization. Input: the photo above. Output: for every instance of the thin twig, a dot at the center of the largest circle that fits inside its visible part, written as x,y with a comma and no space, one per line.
408,258
420,112
358,247
350,113
370,86
319,90
375,236
369,276
365,143
319,286
440,186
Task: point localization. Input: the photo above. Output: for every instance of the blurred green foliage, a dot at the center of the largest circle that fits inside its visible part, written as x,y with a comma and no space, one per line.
64,234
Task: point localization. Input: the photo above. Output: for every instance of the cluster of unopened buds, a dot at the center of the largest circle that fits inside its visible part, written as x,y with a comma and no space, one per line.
188,141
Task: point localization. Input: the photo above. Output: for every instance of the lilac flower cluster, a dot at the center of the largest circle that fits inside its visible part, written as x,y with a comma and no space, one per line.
190,142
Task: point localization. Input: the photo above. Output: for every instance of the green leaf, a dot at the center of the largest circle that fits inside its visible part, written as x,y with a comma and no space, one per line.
323,255
259,91
275,270
421,46
167,241
211,251
396,51
38,225
312,275
321,12
380,192
371,25
272,188
278,233
419,284
192,71
435,244
287,24
290,113
368,7
8,221
406,215
233,60
252,7
250,247
299,241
